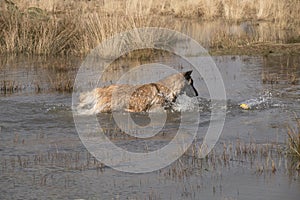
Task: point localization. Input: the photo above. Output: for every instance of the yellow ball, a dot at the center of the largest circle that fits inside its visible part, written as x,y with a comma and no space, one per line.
244,106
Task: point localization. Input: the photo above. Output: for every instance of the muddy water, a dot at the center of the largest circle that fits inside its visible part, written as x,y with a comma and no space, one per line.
43,157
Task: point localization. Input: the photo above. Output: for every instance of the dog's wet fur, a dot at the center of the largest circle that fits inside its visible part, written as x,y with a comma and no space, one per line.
139,98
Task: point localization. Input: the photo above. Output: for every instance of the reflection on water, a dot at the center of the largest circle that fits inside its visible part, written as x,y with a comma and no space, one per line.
36,74
284,69
218,34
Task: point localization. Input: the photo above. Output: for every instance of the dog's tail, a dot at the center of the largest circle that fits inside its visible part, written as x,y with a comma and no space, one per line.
94,102
87,102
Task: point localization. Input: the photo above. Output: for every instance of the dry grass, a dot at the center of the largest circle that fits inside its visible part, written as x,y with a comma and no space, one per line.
53,27
24,33
275,10
43,33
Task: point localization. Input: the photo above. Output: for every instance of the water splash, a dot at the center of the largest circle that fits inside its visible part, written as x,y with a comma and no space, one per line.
185,103
50,108
264,101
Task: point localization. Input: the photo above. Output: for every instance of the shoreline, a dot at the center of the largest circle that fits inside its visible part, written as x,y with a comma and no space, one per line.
262,49
257,49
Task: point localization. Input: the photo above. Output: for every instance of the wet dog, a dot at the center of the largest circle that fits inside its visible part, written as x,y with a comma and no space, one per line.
139,98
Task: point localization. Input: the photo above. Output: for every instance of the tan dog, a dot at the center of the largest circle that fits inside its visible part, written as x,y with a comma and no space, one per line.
138,98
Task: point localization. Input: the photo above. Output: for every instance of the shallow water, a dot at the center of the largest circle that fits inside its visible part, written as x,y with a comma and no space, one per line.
43,157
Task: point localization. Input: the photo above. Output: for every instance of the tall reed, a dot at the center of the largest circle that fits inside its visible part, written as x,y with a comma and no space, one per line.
53,27
294,143
23,33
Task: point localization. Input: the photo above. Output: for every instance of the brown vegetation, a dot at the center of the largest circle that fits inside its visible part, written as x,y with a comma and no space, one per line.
294,144
53,27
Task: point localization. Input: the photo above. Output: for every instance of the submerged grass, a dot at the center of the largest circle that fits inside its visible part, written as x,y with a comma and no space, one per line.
55,27
294,143
261,159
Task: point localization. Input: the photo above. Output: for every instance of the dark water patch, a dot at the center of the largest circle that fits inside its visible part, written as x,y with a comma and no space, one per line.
124,136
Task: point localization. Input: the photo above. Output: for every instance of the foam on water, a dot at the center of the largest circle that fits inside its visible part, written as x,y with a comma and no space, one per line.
185,103
56,107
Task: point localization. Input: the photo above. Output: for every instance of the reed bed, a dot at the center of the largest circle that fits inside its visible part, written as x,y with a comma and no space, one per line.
53,27
275,10
294,143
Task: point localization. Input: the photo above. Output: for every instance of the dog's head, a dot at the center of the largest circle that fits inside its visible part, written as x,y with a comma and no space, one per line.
178,84
189,88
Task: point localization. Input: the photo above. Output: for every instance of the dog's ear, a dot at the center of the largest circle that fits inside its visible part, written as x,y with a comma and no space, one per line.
187,75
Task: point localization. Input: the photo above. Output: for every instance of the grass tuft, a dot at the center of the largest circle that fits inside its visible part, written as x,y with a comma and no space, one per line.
294,143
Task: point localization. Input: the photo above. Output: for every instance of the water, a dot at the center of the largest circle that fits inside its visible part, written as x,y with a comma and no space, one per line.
42,155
